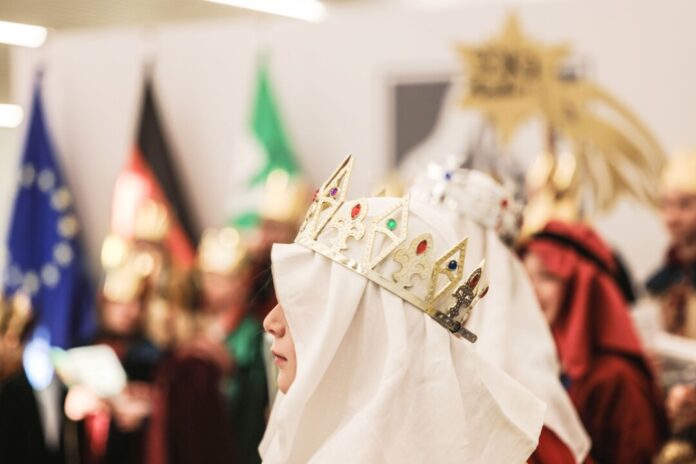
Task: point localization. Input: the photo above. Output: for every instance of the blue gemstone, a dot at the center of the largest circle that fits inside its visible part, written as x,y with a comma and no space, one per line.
448,175
452,265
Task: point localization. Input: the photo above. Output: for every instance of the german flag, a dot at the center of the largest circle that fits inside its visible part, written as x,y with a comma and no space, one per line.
150,173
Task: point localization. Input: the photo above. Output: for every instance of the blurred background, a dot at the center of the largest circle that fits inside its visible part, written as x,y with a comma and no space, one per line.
335,80
151,151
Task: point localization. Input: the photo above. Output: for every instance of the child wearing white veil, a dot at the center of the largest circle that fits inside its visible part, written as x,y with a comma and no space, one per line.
513,333
370,343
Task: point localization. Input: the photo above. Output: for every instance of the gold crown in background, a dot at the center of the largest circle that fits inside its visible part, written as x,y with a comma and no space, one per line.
115,251
118,253
123,284
285,198
15,314
553,188
449,302
679,173
151,221
221,251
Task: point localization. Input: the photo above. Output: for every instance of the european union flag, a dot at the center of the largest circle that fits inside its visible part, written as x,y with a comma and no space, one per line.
44,253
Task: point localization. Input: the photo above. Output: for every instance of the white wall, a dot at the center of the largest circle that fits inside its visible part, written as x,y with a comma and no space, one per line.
9,146
331,82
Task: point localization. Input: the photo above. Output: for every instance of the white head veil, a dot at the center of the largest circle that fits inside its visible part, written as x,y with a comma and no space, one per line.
513,334
379,381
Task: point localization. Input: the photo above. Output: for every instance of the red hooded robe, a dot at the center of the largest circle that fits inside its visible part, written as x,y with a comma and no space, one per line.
609,380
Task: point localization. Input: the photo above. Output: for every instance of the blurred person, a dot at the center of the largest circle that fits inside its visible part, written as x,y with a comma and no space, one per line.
285,199
32,426
674,288
15,323
225,276
190,421
152,257
115,428
219,417
375,361
513,334
674,284
603,364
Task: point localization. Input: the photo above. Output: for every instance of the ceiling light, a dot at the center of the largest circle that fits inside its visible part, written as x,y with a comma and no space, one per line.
24,35
10,115
308,10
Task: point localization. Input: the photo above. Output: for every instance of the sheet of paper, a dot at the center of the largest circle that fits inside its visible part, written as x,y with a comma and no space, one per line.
95,367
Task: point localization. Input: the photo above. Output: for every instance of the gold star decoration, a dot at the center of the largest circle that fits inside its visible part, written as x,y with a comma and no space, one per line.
509,75
512,78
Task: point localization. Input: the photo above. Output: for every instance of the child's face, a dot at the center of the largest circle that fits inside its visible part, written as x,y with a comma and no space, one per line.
122,318
679,215
220,292
548,287
283,347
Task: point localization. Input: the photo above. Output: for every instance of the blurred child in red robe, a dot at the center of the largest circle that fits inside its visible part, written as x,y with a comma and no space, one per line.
604,366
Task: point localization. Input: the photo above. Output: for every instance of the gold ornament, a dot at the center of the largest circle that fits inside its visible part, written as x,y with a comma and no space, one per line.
676,452
221,251
14,316
512,79
553,189
508,75
151,221
285,198
123,284
680,173
331,221
115,251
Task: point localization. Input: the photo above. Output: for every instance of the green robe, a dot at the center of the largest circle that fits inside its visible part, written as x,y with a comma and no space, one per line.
247,391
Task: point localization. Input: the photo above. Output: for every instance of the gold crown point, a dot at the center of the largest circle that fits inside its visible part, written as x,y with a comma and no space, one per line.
327,199
394,225
450,266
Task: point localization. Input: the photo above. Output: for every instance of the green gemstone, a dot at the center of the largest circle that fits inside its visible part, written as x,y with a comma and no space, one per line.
391,224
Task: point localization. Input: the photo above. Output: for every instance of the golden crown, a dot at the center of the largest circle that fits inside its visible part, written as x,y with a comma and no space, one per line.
15,315
285,198
151,221
448,297
678,174
123,284
221,251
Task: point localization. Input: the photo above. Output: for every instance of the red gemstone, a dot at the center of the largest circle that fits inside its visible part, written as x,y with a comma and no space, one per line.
422,246
504,203
484,292
355,211
474,280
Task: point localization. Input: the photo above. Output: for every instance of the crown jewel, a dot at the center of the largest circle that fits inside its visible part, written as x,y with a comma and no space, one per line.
333,225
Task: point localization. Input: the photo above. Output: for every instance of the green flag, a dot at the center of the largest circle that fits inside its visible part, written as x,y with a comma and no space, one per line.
268,129
265,137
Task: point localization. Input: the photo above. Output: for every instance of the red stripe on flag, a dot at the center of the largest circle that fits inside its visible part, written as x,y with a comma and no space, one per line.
134,185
